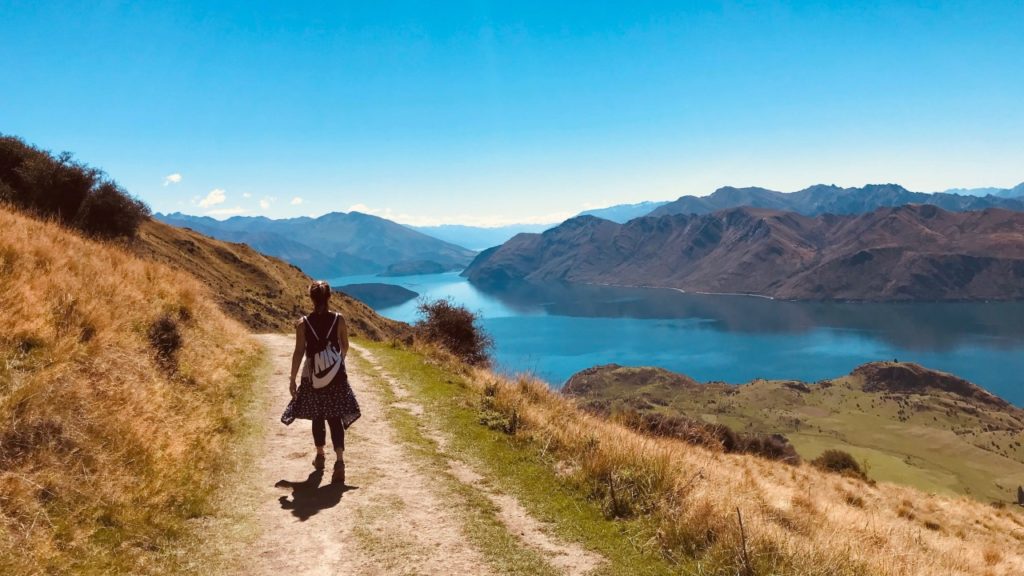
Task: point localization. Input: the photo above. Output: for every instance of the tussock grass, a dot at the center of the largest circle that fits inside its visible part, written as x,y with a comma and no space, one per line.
796,519
121,384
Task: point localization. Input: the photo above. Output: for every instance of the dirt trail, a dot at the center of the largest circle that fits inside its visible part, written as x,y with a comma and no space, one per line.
390,518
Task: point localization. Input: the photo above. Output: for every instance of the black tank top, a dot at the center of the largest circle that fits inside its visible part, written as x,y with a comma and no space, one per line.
321,328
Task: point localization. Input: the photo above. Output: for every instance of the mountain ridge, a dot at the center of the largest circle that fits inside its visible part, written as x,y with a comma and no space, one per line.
829,198
623,213
913,252
332,245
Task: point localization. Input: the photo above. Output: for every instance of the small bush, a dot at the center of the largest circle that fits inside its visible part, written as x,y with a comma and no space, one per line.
165,338
109,211
839,462
455,329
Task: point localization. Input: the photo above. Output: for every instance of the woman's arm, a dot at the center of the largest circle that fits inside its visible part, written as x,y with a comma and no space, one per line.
300,349
343,336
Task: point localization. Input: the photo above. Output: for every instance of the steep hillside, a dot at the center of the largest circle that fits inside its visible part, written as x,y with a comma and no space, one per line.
262,292
826,199
121,386
916,252
911,425
332,245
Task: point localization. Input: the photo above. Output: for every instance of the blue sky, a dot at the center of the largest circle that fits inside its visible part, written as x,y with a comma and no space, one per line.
496,112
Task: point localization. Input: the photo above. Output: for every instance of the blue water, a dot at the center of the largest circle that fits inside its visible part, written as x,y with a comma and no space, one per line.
553,331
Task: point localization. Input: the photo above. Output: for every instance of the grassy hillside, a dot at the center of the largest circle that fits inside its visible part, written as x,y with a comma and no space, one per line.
121,385
262,292
909,425
683,503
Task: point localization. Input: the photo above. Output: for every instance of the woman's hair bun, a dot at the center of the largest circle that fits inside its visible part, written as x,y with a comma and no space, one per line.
320,292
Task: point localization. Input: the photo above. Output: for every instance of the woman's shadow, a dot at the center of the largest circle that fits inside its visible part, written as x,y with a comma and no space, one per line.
309,497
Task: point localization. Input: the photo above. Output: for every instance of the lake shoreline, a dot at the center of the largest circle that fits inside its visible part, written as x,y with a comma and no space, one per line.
555,330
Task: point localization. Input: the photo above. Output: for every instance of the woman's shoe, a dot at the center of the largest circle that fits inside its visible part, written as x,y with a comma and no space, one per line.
318,462
339,473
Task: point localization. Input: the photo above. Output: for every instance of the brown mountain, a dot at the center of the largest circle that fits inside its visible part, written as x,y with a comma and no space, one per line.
913,252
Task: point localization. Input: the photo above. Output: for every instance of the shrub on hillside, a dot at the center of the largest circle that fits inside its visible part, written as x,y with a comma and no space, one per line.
840,462
455,329
165,338
110,211
715,436
71,192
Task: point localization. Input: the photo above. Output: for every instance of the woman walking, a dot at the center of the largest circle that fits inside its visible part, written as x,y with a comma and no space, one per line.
323,395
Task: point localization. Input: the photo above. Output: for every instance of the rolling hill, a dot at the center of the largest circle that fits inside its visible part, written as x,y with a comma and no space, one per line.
333,245
915,252
911,425
826,199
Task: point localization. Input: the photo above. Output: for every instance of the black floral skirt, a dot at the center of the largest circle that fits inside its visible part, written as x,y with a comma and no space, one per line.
336,400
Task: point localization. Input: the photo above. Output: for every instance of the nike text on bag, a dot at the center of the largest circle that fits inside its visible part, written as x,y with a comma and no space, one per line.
326,363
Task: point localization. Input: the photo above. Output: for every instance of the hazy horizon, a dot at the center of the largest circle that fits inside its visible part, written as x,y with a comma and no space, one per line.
482,113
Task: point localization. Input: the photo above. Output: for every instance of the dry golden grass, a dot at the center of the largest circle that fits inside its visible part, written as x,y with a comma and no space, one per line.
106,453
796,519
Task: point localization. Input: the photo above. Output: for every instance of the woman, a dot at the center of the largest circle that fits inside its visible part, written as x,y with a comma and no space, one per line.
324,395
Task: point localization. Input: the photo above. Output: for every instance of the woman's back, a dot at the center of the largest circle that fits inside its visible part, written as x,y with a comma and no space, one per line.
321,328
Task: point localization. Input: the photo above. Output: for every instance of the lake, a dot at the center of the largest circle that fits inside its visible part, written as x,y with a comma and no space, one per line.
553,331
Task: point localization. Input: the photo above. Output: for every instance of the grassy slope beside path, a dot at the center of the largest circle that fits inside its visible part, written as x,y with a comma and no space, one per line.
122,388
675,506
511,466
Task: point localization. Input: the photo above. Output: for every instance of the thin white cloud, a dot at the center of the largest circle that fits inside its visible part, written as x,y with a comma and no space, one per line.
216,196
265,203
172,179
246,195
226,211
463,219
296,201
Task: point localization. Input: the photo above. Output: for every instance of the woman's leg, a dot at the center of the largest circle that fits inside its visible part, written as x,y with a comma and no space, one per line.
320,434
338,439
337,435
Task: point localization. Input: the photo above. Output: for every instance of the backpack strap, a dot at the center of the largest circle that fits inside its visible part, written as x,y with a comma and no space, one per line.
333,323
311,329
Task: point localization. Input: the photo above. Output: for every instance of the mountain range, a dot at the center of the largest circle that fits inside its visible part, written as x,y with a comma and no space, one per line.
911,252
824,198
335,244
1015,192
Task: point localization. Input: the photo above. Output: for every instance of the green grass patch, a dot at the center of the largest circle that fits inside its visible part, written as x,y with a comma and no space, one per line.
512,466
